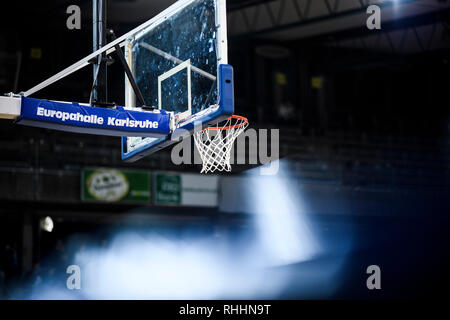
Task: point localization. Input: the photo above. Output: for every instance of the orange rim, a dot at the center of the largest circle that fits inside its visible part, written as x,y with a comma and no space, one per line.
230,127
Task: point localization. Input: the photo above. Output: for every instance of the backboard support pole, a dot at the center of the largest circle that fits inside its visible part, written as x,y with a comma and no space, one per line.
129,74
99,33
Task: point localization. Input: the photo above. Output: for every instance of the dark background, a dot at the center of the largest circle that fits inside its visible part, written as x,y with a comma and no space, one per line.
375,133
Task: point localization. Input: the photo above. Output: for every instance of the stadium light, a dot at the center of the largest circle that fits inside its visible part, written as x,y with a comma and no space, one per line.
47,224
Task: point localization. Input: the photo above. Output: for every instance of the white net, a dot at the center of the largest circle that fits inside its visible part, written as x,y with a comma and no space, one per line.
214,144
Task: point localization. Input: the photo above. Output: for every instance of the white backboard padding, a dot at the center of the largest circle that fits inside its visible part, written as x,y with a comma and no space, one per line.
9,107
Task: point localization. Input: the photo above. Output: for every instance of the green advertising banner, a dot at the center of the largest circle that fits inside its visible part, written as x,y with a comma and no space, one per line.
167,188
186,189
110,185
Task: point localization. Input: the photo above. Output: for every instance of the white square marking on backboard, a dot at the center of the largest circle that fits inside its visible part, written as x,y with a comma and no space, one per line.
186,64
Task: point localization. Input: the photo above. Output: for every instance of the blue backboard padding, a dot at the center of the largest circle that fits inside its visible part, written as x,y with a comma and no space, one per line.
226,109
93,120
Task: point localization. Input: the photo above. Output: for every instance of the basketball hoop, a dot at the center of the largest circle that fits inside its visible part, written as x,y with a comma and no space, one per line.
214,143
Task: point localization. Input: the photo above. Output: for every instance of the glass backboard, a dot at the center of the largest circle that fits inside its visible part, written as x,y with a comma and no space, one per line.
179,63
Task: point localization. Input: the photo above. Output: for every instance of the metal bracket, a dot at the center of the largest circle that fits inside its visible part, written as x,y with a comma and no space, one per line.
129,74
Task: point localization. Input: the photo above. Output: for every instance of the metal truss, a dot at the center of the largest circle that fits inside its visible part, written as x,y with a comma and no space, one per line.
278,15
411,35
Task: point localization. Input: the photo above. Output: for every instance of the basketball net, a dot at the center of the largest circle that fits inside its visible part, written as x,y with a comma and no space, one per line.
214,144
